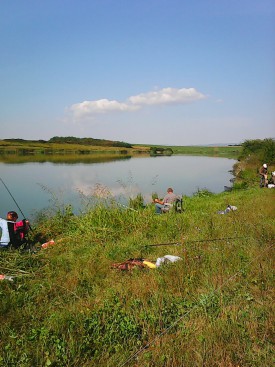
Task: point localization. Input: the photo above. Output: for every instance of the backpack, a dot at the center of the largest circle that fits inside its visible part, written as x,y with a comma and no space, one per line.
178,205
18,232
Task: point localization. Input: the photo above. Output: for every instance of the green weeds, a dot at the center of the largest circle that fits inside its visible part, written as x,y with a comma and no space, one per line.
68,307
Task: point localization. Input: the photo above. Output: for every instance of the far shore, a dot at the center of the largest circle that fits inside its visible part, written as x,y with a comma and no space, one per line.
37,151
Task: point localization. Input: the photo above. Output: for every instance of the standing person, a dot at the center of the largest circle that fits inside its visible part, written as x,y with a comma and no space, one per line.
165,204
263,175
13,234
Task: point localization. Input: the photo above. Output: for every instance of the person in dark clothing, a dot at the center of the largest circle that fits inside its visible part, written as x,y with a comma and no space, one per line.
263,175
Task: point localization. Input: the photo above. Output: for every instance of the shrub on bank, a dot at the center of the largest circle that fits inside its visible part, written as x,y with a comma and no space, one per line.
259,150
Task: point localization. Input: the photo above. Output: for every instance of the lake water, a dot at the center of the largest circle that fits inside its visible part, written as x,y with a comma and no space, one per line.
34,186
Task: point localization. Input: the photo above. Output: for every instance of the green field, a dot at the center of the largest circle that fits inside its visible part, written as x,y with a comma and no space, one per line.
220,151
67,306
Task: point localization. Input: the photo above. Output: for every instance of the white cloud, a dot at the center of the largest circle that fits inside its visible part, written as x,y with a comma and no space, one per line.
88,108
165,96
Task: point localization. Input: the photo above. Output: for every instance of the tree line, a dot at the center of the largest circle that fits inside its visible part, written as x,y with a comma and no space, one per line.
75,140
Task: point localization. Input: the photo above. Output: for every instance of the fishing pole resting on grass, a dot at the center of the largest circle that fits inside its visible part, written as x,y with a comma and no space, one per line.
192,241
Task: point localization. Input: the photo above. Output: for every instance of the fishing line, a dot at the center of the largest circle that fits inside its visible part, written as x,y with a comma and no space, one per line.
187,313
12,197
127,207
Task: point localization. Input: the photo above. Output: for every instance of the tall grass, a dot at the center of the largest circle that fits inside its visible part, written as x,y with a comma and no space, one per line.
68,307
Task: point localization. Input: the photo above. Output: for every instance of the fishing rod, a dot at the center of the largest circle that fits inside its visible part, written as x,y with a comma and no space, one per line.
14,200
216,239
164,244
193,241
127,207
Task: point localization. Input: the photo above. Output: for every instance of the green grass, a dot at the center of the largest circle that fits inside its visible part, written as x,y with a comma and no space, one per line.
219,151
68,307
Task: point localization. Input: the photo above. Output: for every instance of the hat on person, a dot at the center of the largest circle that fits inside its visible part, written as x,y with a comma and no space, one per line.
265,165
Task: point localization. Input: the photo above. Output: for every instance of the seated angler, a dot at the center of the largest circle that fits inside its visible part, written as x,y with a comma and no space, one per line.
13,234
167,202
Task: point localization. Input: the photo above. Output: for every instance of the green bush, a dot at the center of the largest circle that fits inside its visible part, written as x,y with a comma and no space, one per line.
264,150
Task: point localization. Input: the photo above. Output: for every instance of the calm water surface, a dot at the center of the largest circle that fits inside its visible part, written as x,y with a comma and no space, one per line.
35,185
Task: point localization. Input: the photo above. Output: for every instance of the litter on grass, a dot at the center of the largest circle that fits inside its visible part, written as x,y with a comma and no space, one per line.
140,263
47,244
229,208
167,259
6,277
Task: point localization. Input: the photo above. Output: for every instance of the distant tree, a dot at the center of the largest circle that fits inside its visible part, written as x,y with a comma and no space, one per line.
15,140
89,141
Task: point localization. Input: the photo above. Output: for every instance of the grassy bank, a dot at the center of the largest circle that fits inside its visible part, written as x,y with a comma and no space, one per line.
214,151
48,151
67,306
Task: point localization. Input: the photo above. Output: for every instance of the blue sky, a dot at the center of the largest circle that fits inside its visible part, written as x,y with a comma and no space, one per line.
172,72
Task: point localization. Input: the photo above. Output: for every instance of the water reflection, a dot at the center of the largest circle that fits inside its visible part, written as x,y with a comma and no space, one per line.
65,158
34,184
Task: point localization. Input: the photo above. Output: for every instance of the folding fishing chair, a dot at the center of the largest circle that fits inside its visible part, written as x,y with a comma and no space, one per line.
176,207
